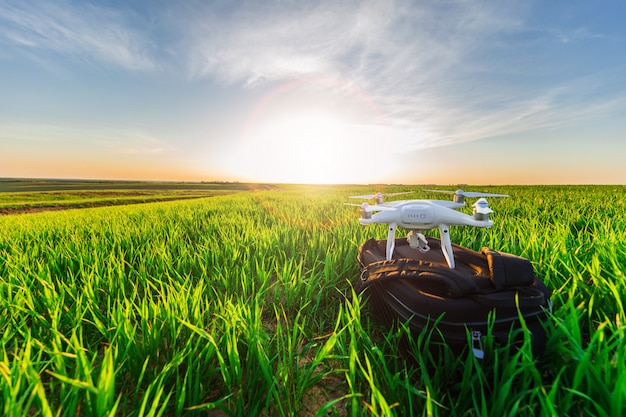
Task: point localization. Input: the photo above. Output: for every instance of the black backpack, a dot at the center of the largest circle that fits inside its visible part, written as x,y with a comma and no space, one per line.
420,289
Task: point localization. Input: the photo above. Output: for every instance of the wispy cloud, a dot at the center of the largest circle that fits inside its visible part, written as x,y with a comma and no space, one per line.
450,72
125,140
410,58
438,72
94,139
140,143
82,32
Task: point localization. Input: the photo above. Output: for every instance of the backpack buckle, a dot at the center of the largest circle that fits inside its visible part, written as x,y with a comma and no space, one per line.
477,345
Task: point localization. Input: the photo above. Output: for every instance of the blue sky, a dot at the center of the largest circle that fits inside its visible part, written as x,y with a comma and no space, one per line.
445,92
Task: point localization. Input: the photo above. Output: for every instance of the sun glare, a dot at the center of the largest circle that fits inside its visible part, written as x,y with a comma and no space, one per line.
316,130
306,147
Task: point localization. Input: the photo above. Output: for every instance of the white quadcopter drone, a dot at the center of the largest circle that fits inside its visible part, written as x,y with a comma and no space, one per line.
421,215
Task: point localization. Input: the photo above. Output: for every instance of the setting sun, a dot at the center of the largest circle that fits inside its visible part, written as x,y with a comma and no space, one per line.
298,147
313,130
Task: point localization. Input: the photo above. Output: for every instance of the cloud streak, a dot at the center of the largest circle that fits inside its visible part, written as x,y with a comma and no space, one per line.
437,72
114,141
84,32
425,64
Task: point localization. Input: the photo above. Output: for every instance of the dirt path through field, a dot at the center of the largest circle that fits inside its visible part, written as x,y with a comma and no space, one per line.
26,209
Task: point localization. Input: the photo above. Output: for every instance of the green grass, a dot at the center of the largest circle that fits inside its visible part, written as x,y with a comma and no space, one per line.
234,305
29,195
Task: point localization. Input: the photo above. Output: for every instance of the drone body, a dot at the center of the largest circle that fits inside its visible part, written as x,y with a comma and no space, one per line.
421,215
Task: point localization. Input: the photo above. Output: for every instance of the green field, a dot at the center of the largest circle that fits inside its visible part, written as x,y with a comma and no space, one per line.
28,196
236,305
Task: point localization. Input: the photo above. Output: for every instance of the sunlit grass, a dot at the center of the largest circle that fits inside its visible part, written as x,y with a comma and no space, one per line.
242,305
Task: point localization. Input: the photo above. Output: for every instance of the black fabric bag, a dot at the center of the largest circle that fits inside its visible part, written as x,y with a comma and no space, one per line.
420,288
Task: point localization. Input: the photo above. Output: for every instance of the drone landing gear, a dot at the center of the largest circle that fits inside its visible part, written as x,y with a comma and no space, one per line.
446,244
391,240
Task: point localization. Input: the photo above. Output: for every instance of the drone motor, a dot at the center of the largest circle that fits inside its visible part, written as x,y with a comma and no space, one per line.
365,213
481,210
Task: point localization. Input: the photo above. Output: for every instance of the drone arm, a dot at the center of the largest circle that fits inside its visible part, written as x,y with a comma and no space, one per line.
446,244
391,240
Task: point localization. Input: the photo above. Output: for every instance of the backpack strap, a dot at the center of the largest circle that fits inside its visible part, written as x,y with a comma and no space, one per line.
507,270
526,297
428,277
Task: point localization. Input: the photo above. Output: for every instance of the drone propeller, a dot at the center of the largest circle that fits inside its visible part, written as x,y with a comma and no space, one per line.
459,195
468,194
378,196
368,208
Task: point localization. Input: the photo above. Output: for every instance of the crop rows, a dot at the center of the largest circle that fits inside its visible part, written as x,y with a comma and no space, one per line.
242,305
